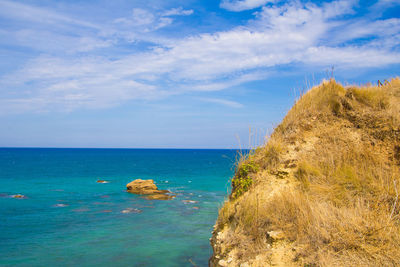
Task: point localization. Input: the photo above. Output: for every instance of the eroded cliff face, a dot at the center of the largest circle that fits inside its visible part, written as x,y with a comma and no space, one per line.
324,189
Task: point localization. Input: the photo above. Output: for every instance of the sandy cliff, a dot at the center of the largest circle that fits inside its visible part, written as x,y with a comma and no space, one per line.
324,189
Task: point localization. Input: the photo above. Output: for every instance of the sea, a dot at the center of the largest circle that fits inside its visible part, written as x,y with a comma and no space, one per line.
64,217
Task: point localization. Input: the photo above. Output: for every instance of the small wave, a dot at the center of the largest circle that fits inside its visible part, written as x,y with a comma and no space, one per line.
131,210
60,205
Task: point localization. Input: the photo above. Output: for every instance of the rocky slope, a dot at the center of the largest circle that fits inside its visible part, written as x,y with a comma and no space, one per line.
323,191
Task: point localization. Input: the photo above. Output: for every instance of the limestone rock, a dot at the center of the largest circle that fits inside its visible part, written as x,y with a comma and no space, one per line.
276,235
149,189
223,263
142,187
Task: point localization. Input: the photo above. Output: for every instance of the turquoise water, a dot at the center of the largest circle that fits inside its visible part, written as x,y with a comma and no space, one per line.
68,219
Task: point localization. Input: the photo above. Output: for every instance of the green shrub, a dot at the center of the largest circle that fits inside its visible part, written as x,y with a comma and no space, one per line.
242,180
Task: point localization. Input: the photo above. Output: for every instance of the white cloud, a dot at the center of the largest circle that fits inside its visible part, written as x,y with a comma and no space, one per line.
350,57
48,31
214,85
381,5
49,42
292,33
386,31
178,12
338,8
145,21
15,10
240,5
139,17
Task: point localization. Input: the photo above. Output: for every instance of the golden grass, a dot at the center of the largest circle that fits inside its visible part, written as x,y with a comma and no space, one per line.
340,205
373,96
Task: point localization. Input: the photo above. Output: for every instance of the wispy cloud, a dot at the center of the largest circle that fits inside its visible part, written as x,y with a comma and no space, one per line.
14,10
381,5
144,20
240,5
178,12
293,33
224,102
48,31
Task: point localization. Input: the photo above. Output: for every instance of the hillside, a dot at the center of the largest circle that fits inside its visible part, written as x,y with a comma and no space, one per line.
324,189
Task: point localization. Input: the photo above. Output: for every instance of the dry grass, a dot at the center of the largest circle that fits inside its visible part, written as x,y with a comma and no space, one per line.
373,97
339,205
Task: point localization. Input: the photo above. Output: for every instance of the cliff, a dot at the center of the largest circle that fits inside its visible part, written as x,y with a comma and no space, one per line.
324,189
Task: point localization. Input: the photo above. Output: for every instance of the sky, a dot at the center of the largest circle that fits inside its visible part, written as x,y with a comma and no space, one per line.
178,74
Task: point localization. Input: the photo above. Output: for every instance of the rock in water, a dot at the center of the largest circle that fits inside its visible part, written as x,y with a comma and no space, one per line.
148,188
161,196
18,196
142,187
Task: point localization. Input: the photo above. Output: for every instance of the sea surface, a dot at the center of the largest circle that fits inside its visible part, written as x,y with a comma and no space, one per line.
68,219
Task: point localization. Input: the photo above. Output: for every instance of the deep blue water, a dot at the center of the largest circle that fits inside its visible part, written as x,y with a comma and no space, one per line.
68,219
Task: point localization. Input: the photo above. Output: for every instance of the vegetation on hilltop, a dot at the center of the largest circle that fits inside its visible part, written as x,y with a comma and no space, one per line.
324,190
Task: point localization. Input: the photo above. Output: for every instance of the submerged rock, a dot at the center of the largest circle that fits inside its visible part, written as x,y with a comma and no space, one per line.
148,188
131,210
188,201
162,196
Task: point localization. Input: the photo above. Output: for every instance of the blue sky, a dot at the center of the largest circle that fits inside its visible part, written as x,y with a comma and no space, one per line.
178,74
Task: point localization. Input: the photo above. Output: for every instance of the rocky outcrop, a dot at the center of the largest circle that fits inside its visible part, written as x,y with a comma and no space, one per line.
148,189
324,190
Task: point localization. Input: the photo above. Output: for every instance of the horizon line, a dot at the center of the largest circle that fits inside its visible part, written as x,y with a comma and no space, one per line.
39,147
